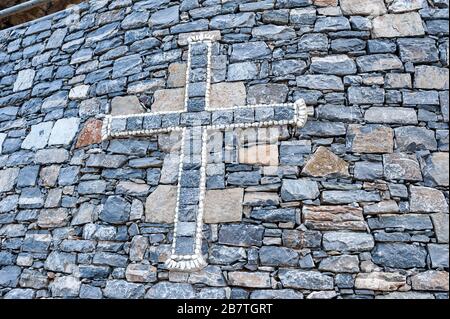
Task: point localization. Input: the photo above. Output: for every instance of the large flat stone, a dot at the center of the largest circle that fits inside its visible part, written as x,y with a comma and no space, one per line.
431,280
168,100
123,105
347,241
64,131
38,136
401,166
249,279
370,138
225,95
431,77
427,200
441,226
161,204
397,25
223,206
299,279
380,281
8,177
363,7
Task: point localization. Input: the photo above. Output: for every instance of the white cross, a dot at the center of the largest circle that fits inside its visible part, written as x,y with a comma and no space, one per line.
194,122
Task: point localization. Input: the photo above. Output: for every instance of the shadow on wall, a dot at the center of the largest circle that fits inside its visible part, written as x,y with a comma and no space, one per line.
33,13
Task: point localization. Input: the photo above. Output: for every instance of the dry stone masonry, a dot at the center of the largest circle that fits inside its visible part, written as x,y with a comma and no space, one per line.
352,205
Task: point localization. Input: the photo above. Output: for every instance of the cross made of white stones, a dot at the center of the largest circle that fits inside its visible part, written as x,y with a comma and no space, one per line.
195,122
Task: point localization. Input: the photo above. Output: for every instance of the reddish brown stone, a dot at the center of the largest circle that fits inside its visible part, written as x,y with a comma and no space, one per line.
90,134
334,218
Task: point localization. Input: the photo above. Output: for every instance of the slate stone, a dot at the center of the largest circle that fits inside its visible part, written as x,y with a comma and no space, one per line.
427,200
313,42
244,178
398,255
283,215
438,255
231,21
116,210
249,51
368,170
347,241
333,64
278,256
365,95
320,82
299,279
241,235
324,24
28,176
391,115
273,32
340,264
301,189
168,290
343,45
409,222
225,255
121,289
418,50
9,276
436,169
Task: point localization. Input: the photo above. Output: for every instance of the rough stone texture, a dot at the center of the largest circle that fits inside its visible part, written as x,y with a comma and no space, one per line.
380,281
397,25
353,205
324,163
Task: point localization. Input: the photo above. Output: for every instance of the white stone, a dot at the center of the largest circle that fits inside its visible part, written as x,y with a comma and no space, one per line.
397,25
363,7
399,6
2,139
223,206
79,92
24,80
8,178
38,136
169,171
160,205
64,131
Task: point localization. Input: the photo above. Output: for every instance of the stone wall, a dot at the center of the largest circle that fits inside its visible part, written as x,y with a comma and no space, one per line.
353,205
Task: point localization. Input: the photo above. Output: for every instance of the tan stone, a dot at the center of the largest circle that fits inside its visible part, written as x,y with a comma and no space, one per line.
363,7
249,279
370,138
325,3
160,205
334,218
431,280
259,154
227,94
380,281
214,35
50,218
427,200
324,163
140,273
397,25
431,77
168,100
223,206
177,75
123,105
90,134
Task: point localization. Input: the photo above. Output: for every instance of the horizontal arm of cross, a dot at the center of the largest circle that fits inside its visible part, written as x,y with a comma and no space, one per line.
147,124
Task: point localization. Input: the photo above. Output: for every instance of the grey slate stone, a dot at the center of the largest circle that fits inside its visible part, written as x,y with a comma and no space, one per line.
244,178
347,197
116,210
423,50
412,139
398,255
282,215
347,241
121,289
230,21
169,290
408,222
365,95
439,255
249,51
9,276
368,170
300,279
241,235
324,24
28,176
301,189
278,256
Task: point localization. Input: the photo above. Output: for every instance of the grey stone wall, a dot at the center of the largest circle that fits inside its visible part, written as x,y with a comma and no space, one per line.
353,205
